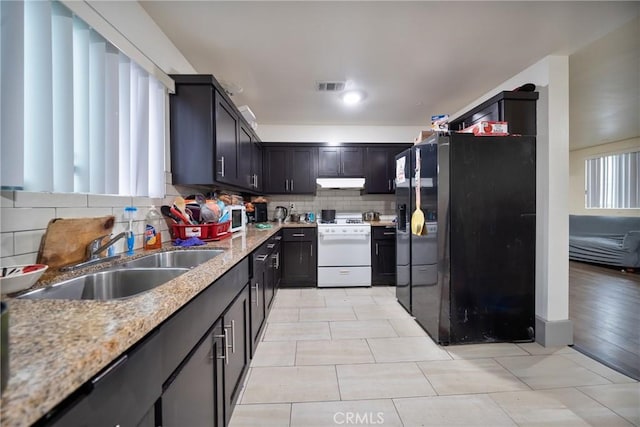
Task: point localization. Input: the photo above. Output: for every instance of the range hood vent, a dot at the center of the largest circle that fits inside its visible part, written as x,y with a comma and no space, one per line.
357,183
330,86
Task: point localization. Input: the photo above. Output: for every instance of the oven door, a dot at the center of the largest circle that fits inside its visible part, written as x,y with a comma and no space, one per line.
335,250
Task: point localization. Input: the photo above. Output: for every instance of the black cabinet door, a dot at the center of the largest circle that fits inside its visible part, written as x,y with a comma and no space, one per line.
226,131
340,162
299,257
192,143
236,326
256,166
189,400
377,179
384,262
352,162
245,161
276,170
302,170
257,300
329,161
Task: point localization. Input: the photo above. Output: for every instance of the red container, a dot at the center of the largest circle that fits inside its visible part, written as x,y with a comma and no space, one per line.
214,231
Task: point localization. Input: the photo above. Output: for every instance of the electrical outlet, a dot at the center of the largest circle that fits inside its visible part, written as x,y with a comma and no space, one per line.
291,207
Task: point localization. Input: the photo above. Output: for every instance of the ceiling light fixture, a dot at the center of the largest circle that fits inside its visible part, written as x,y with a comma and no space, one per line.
352,97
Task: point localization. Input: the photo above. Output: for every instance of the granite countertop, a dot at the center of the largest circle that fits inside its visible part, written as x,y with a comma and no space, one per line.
58,345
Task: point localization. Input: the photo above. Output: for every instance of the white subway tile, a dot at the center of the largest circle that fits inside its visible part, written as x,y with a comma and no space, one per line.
82,212
108,201
28,199
19,259
7,199
27,241
6,244
141,201
21,219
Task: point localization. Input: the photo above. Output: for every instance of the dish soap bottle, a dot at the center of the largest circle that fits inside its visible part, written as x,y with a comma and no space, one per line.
152,235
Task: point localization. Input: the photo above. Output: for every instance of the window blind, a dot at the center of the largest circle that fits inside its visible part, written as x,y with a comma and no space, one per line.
613,181
77,114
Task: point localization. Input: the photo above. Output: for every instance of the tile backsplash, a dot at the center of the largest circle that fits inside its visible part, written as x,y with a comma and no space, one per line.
340,200
24,217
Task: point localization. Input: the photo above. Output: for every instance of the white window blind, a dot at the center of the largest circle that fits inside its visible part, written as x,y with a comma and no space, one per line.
613,182
77,115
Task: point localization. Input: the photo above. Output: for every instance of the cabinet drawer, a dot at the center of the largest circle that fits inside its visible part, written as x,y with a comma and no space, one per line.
298,234
382,233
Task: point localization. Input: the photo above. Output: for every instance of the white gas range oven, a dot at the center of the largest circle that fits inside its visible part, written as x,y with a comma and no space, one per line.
344,252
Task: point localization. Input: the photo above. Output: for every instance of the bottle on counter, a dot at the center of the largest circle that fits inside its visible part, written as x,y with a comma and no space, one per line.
152,234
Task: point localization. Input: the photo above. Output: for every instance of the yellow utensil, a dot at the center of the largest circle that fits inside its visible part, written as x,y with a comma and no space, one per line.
417,218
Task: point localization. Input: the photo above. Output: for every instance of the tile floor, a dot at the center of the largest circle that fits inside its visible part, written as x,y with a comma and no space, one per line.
332,357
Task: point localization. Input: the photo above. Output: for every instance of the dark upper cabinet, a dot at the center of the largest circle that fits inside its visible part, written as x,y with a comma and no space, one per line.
299,257
340,162
383,256
256,166
210,141
380,168
518,109
226,142
245,158
290,169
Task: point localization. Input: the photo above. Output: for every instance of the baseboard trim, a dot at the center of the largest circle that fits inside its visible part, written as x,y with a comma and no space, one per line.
554,333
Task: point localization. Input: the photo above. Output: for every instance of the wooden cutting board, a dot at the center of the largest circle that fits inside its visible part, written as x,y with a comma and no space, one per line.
66,239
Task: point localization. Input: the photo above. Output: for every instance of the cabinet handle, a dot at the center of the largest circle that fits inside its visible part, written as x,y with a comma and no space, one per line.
278,237
261,257
271,245
376,249
225,355
278,260
275,261
389,233
311,251
257,288
286,185
221,166
233,336
389,186
291,185
297,235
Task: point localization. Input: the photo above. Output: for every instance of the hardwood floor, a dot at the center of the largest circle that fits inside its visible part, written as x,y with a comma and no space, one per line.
604,305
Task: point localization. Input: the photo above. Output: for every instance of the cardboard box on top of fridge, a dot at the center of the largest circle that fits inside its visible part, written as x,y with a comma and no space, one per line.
488,128
423,135
440,123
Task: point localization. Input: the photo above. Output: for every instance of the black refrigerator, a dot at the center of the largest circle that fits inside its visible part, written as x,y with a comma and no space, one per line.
468,273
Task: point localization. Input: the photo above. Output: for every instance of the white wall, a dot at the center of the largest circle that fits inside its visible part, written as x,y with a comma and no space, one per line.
337,134
577,176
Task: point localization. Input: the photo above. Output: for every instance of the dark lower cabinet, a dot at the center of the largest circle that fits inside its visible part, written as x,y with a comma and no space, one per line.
257,305
383,256
236,345
194,396
299,257
189,371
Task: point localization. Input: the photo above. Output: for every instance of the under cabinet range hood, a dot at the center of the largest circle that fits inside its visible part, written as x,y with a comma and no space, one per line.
340,182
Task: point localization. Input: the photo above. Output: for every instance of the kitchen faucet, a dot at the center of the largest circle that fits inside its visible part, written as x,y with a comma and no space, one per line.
93,249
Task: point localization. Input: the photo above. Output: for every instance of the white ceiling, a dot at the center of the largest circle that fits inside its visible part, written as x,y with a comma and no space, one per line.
413,59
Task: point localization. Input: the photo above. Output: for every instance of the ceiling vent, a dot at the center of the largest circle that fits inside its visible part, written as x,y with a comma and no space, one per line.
330,86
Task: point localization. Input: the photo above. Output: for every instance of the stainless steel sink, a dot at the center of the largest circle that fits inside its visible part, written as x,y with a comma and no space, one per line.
108,284
177,259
